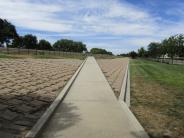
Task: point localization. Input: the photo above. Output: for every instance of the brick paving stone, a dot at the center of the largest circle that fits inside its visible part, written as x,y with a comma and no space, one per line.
37,103
23,123
15,101
23,91
2,106
31,116
6,135
25,109
9,115
40,113
23,96
45,99
5,90
16,127
2,86
114,70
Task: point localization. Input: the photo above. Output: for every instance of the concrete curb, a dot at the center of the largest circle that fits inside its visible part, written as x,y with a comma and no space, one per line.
42,121
140,132
124,100
125,89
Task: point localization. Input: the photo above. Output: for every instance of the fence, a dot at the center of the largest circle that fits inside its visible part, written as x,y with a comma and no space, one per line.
168,60
21,51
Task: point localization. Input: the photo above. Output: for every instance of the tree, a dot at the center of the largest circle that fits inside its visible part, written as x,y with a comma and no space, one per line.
30,41
180,45
44,45
164,45
133,54
7,32
80,47
17,42
171,47
69,46
142,52
9,36
154,49
100,51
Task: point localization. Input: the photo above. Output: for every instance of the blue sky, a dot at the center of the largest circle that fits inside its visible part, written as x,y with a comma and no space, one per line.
116,25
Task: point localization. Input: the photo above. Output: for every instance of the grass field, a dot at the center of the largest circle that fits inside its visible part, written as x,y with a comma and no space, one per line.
157,92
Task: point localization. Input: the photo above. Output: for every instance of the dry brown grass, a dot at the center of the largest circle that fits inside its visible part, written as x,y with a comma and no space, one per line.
154,105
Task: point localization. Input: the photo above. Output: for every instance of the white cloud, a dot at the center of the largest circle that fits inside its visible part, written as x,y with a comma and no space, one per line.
84,18
126,11
33,16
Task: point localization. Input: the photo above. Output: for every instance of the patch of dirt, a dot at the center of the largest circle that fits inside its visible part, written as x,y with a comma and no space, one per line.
114,70
152,104
27,88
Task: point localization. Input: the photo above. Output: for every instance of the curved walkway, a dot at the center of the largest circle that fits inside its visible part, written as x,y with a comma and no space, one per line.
91,110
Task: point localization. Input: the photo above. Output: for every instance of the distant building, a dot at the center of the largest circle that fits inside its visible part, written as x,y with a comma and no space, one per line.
164,56
3,45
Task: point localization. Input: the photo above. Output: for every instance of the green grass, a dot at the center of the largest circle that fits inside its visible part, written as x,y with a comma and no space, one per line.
157,96
166,74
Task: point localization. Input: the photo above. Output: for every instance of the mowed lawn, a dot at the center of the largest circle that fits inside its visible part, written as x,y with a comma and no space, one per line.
157,97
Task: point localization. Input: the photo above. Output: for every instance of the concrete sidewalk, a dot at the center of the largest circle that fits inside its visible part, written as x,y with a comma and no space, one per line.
90,110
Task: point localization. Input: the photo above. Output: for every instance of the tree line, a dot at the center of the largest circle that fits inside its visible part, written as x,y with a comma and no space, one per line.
172,47
10,38
100,51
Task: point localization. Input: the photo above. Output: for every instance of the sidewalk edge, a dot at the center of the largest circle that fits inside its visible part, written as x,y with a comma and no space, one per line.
48,113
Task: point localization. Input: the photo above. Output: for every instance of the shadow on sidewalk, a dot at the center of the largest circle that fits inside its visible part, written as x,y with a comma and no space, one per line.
64,117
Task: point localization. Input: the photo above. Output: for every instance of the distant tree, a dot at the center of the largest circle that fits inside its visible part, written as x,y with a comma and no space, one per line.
63,45
180,45
123,55
17,42
100,51
7,32
30,41
80,47
9,36
164,45
44,45
154,49
69,46
142,52
133,54
171,47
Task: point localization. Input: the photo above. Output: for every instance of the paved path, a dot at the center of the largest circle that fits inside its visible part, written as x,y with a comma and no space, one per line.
90,110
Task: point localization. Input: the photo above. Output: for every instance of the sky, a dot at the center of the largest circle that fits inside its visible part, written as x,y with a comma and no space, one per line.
119,26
